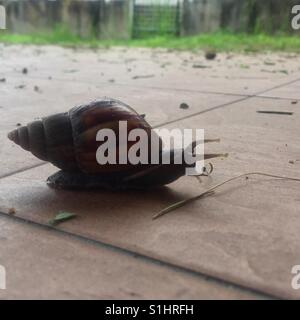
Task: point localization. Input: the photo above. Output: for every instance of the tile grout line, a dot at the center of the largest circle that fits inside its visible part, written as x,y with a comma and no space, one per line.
129,85
141,256
278,86
256,95
22,169
163,88
203,111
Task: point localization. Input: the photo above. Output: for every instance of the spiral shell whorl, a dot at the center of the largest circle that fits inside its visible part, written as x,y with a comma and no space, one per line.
20,137
31,138
49,139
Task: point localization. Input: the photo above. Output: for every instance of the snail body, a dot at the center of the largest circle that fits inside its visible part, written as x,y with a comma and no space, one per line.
68,141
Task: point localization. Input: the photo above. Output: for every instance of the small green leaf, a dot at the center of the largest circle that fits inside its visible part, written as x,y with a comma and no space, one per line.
283,71
200,66
61,217
269,63
244,66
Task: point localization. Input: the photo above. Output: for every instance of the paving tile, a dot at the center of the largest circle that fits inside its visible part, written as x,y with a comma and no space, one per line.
247,233
43,264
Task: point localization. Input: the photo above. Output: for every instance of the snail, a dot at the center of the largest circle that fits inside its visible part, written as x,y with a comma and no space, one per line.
68,141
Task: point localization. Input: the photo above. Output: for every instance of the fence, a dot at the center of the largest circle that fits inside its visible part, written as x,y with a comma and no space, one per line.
155,17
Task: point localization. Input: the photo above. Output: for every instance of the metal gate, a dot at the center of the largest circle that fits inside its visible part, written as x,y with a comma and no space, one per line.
155,17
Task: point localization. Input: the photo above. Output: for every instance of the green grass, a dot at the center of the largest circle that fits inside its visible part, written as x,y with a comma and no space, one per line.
220,41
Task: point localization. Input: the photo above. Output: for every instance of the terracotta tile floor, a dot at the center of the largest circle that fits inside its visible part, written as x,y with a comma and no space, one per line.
240,243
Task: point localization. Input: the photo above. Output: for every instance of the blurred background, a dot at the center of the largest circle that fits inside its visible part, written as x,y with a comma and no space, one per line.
174,23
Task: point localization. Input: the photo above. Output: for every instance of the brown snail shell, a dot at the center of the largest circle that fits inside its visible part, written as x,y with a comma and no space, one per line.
68,140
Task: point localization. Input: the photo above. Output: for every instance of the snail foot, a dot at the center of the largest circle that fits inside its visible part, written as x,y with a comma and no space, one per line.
78,181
